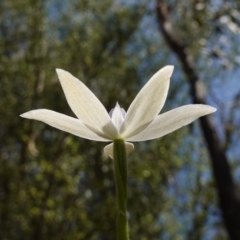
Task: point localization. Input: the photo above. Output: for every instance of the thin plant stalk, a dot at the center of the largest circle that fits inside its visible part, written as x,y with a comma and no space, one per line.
120,169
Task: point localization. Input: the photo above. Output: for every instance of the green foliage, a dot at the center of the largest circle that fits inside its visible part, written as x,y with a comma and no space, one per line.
57,186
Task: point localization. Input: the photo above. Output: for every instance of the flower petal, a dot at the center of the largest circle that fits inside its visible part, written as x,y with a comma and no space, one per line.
117,116
172,120
64,123
86,105
109,149
148,103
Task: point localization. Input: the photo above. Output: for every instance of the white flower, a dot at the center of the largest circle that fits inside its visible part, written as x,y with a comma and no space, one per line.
140,123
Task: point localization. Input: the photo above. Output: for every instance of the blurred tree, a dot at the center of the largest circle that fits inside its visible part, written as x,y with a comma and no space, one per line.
183,46
57,186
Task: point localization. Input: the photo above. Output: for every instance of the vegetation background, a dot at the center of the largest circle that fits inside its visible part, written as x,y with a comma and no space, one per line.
56,186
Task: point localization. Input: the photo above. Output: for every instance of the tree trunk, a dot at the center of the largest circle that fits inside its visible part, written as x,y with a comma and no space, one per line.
229,203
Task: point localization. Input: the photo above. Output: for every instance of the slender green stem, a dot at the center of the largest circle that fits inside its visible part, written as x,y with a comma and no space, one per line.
120,169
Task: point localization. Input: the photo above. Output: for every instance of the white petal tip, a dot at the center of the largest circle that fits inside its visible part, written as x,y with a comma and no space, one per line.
59,70
210,109
214,109
170,68
26,115
165,72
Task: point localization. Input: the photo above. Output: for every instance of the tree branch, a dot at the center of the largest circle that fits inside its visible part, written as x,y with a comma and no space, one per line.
228,200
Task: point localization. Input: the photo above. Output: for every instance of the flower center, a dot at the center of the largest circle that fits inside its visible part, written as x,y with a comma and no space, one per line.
117,115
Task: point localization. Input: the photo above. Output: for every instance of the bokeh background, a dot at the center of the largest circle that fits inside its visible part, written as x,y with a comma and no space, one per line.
56,186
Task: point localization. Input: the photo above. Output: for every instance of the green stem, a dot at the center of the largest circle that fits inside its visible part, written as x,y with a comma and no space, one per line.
120,169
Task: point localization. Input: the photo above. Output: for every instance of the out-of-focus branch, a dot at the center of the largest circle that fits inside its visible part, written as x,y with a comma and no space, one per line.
228,200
